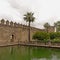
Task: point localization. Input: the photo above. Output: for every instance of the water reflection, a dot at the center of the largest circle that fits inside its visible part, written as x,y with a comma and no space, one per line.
28,53
11,50
38,59
54,57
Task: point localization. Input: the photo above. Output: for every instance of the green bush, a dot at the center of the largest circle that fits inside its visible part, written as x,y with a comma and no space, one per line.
58,35
56,40
45,37
52,35
41,36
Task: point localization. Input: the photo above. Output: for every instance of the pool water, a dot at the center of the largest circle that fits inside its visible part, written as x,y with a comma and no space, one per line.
29,53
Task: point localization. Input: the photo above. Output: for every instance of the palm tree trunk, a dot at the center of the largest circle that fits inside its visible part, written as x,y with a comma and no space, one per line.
29,32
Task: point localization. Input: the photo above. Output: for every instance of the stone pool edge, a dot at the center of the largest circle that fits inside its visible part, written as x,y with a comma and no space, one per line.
24,44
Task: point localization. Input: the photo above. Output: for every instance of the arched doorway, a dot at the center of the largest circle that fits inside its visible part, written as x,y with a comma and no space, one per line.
12,38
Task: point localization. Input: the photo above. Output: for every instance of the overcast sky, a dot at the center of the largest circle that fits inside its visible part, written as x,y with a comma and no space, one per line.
44,10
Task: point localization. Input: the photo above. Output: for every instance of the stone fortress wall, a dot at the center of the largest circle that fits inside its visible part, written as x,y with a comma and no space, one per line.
17,32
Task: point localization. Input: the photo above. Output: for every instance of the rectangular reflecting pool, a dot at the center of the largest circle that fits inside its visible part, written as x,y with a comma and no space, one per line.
29,53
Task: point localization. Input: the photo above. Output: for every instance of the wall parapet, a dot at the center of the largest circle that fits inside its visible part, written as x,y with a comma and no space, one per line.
17,25
11,23
2,21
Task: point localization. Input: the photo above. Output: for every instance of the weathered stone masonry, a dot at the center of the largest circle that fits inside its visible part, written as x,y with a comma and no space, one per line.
17,32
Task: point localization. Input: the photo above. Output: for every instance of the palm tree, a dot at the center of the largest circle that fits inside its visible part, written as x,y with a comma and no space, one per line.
47,25
28,17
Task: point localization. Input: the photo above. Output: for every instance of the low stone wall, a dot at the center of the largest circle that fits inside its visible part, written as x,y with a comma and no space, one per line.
46,43
56,43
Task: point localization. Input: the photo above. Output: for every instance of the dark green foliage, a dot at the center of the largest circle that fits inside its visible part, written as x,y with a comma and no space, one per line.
52,35
41,36
28,17
45,37
58,35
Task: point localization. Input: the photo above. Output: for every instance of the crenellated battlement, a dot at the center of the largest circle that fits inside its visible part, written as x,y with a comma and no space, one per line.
14,24
11,23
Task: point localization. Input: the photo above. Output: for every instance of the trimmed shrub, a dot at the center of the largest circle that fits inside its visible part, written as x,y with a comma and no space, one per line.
56,40
41,36
45,37
52,35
